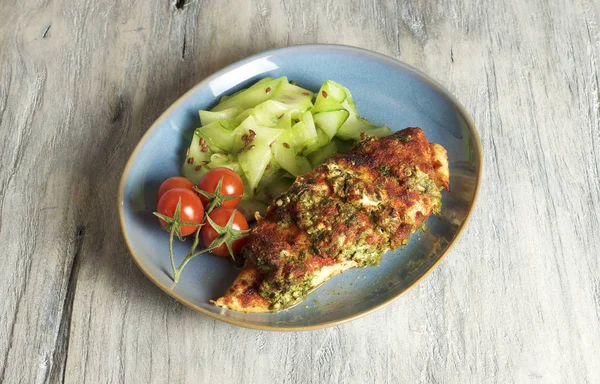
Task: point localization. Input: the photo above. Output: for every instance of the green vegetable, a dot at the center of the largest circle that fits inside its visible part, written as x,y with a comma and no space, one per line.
272,132
318,142
294,97
217,137
284,152
253,161
322,154
330,122
251,97
207,117
197,156
303,164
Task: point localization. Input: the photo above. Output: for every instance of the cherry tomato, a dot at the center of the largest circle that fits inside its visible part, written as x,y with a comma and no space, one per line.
232,186
191,208
174,182
221,216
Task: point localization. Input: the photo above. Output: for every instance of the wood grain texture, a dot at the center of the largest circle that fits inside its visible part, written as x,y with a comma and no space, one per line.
516,301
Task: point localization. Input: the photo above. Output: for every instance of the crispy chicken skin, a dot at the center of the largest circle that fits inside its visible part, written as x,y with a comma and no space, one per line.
345,213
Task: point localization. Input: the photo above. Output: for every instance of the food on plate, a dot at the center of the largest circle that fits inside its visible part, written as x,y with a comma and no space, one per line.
225,232
345,213
341,191
272,132
220,187
174,182
182,212
180,204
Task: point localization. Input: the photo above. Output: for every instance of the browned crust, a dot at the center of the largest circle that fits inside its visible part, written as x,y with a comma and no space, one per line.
243,293
283,232
440,165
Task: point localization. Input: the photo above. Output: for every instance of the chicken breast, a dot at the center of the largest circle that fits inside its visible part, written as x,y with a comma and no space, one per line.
345,213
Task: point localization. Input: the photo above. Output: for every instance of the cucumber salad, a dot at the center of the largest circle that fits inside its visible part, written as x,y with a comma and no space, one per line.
272,132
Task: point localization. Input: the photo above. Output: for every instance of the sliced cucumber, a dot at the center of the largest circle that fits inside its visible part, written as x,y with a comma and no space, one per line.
303,165
253,161
234,166
355,125
349,104
220,159
241,117
301,136
333,94
320,141
194,166
284,121
379,132
343,146
272,132
251,97
293,96
327,106
207,117
306,136
331,91
218,138
273,114
322,154
269,191
249,133
284,152
307,119
330,122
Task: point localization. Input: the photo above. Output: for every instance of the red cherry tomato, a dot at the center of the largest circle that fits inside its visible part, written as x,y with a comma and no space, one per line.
221,216
174,182
191,208
232,185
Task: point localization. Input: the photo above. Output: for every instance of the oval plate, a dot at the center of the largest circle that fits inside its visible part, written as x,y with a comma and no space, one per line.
386,92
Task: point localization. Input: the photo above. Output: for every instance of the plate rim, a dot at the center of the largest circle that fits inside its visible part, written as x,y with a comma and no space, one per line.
338,47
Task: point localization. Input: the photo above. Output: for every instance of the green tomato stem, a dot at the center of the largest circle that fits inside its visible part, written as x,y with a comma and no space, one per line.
175,274
190,255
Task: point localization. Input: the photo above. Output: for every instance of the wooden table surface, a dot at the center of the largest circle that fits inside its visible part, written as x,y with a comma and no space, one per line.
517,300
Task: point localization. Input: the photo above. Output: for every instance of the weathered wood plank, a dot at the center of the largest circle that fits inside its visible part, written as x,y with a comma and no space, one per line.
517,300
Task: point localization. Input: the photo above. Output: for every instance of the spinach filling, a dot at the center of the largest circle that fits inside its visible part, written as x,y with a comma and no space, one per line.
285,293
420,182
285,289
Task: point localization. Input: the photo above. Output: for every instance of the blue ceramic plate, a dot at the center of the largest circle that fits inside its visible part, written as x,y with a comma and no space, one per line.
387,92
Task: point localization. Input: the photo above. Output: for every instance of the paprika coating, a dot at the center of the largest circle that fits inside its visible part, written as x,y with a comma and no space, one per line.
347,212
